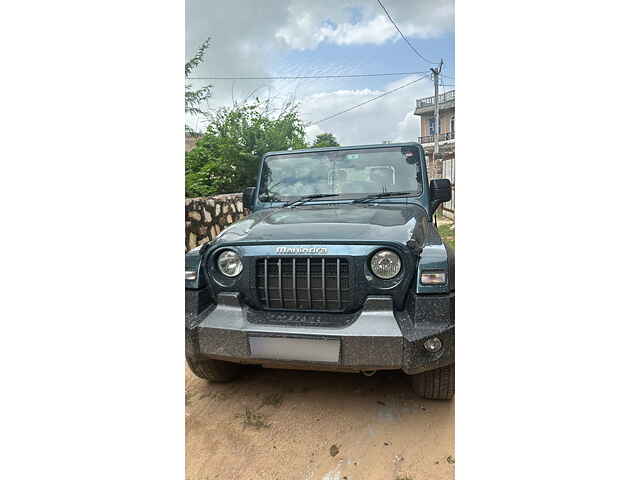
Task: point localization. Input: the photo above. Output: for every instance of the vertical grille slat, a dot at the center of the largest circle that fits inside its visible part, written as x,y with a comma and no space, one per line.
324,288
309,282
266,280
295,286
280,281
338,285
325,284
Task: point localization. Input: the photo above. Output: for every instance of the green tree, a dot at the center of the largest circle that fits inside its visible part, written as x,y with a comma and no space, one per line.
227,157
193,99
325,140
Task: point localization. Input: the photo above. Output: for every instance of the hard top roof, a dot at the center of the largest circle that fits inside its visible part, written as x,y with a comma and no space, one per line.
346,147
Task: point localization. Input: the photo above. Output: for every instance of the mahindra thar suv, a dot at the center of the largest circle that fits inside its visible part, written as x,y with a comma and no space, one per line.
338,267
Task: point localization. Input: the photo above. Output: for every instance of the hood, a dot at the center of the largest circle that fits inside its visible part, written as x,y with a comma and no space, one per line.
405,224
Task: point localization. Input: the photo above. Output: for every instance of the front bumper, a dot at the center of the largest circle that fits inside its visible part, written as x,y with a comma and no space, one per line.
377,337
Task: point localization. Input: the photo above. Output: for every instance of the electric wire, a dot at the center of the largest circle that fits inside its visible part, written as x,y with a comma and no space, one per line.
301,77
402,35
368,101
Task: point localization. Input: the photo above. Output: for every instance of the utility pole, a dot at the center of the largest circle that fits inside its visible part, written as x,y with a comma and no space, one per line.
436,113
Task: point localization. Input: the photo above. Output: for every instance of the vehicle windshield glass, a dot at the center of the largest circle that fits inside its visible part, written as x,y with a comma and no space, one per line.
351,173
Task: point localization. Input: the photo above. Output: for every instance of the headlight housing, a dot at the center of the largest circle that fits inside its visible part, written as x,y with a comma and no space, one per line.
386,264
229,263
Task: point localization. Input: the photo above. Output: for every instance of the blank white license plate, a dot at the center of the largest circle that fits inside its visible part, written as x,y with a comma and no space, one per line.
301,349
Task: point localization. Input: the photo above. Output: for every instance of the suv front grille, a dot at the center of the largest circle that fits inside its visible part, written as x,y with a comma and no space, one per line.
304,283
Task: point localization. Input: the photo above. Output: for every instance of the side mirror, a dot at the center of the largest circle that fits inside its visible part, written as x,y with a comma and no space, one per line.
248,197
440,192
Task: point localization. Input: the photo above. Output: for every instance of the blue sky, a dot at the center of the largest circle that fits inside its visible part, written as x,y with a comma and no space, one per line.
307,37
393,56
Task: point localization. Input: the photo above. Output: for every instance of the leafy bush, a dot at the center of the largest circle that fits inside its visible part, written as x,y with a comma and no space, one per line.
227,157
325,140
193,99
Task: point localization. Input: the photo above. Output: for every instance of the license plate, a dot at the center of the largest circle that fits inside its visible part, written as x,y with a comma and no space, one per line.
299,349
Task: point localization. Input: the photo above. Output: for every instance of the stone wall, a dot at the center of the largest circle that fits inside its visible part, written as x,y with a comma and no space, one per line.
206,217
190,141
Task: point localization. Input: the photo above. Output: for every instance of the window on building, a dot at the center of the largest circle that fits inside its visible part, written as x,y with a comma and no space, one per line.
432,126
453,125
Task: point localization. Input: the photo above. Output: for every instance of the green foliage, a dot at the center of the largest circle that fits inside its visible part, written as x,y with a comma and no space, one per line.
446,229
227,157
193,99
325,140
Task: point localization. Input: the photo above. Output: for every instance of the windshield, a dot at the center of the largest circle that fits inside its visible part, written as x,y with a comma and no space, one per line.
343,172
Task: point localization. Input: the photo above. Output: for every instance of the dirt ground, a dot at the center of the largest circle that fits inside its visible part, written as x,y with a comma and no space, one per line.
285,424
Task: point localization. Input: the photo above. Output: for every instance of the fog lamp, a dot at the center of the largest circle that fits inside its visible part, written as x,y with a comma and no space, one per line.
432,345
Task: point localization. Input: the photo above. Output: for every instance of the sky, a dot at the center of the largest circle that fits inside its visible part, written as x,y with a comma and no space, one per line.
325,37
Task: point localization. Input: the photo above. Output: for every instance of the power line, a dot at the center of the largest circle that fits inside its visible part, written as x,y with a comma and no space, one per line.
444,75
364,103
300,77
402,35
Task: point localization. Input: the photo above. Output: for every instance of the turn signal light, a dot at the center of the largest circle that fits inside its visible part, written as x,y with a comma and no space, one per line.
433,278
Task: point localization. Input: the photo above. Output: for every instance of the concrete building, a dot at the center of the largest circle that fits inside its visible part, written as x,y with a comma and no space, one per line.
443,165
425,108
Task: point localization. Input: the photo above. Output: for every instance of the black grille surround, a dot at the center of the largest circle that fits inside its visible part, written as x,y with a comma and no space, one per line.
356,285
312,284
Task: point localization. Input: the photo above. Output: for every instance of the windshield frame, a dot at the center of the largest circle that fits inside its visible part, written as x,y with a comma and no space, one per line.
343,197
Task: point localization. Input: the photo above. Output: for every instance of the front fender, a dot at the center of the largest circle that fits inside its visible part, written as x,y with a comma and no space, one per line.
436,256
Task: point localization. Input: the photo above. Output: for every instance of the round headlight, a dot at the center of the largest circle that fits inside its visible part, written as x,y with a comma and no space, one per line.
229,263
386,264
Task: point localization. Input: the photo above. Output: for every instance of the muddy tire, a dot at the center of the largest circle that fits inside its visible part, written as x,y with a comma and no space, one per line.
214,370
436,384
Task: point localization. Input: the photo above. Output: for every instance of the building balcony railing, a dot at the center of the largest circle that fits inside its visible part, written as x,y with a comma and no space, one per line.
430,101
442,137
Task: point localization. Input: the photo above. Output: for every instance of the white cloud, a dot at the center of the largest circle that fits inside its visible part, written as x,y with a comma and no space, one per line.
330,21
408,128
300,35
248,35
388,118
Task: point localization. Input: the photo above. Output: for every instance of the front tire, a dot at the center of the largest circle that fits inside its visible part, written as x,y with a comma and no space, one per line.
436,384
214,370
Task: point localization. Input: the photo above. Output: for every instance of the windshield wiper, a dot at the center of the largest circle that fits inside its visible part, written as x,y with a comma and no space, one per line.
305,198
379,195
